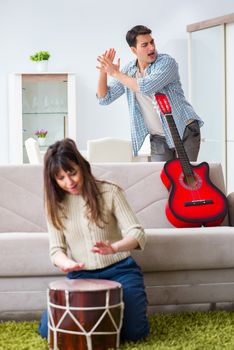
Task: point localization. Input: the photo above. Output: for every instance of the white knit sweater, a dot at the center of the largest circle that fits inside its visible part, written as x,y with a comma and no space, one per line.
79,235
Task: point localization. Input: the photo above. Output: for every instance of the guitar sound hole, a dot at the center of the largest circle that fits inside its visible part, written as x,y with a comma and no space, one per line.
192,182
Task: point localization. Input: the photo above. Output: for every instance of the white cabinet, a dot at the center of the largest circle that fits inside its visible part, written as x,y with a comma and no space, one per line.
230,104
230,80
211,88
230,165
40,101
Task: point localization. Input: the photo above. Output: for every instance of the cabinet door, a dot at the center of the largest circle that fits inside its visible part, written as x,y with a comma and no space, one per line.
44,107
207,90
230,80
230,104
41,101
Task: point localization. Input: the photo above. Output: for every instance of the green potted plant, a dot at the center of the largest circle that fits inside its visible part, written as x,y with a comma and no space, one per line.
41,58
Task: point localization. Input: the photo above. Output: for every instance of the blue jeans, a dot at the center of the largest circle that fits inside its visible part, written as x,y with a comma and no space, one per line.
128,273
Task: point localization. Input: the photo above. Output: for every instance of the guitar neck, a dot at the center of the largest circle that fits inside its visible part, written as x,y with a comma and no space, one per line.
182,155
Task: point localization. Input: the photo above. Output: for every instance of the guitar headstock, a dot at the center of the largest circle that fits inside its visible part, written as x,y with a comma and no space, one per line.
163,103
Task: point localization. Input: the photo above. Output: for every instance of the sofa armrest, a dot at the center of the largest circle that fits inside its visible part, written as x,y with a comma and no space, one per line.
230,199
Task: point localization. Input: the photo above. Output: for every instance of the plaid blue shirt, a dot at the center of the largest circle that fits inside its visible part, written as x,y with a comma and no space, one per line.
162,76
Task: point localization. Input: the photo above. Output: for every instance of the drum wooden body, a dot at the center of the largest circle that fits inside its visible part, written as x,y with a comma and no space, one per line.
84,314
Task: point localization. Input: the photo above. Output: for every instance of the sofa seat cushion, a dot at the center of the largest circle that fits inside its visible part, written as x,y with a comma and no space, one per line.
187,249
25,254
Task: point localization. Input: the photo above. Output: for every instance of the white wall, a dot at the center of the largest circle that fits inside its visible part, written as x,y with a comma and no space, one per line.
75,32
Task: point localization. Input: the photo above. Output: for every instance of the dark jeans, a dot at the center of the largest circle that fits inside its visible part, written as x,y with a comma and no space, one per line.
160,152
128,273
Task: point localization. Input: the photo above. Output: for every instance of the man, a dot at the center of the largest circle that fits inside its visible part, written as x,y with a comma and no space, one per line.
141,79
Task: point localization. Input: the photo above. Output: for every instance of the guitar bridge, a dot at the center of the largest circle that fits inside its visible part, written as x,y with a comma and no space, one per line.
198,202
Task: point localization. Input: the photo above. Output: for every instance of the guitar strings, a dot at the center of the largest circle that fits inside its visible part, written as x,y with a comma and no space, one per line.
187,169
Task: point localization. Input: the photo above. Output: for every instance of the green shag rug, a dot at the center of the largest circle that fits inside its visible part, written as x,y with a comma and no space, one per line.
182,331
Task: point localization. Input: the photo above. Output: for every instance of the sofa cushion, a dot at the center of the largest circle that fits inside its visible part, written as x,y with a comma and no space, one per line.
25,254
21,200
143,188
187,249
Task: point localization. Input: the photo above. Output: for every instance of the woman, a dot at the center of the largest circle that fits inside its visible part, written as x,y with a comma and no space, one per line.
94,220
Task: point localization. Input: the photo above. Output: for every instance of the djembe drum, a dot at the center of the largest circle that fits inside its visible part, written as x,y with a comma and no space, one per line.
84,314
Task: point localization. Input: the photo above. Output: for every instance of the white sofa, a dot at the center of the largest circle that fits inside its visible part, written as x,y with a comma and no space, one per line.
184,269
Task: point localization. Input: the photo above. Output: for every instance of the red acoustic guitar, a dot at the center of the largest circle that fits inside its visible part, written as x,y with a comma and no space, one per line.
193,199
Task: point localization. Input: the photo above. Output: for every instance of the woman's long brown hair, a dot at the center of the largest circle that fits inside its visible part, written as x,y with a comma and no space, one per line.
63,155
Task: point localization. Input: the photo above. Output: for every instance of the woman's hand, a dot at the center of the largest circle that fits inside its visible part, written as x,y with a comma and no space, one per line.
124,245
104,248
70,265
65,264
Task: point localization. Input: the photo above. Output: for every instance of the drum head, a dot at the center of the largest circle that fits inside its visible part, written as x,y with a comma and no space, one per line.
83,285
